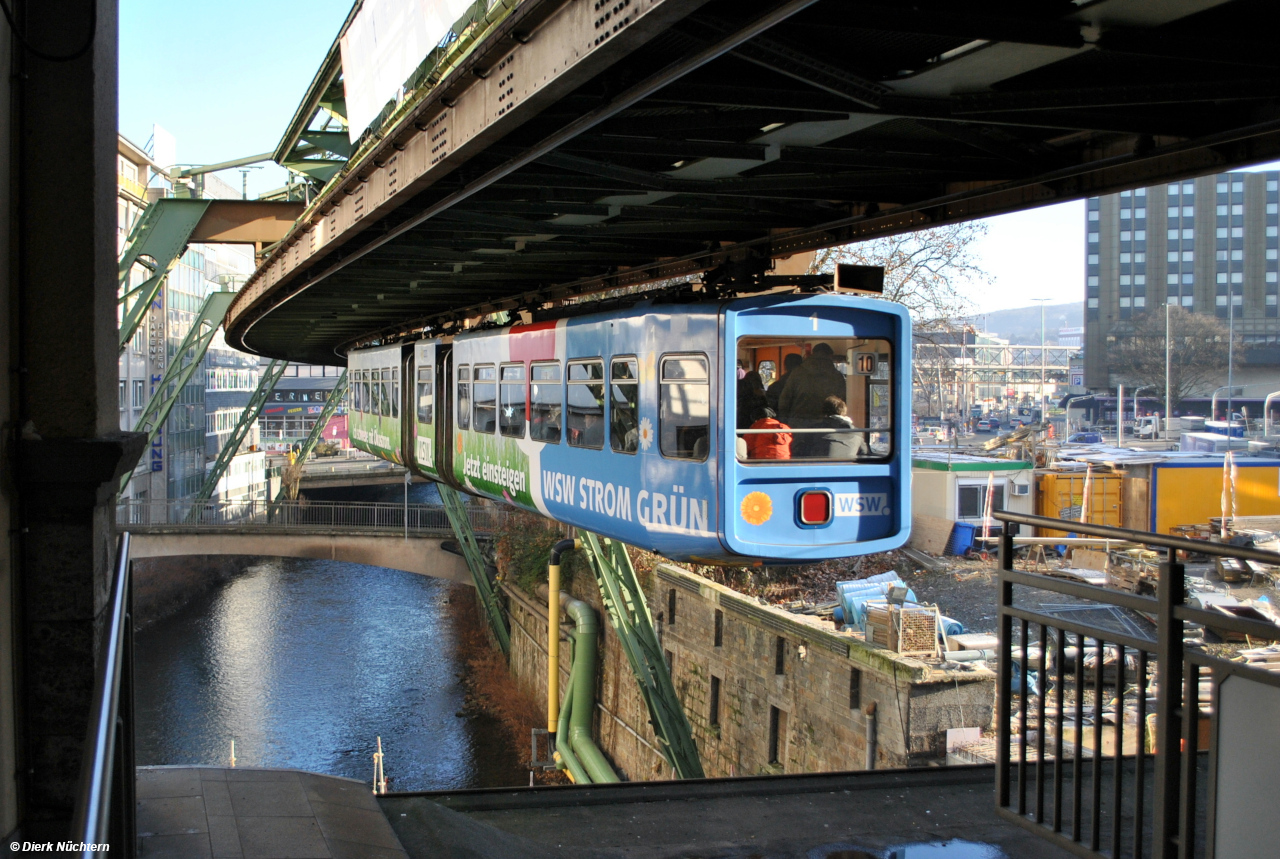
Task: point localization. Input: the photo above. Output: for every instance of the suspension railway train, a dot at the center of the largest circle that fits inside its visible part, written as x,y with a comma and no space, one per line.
626,423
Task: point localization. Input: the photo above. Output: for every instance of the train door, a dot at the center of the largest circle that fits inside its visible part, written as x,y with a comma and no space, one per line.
423,407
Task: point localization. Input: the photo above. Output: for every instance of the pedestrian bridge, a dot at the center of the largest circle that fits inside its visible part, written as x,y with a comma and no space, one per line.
397,536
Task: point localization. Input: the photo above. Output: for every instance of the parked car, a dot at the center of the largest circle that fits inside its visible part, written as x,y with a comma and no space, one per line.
1085,438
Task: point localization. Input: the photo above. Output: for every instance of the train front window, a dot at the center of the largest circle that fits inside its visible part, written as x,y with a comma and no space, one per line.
586,404
426,395
463,414
684,407
484,403
544,403
814,399
512,408
624,422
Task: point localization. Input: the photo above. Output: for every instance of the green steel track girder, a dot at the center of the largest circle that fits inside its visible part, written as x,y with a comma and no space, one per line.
183,366
252,409
485,590
331,405
160,235
629,612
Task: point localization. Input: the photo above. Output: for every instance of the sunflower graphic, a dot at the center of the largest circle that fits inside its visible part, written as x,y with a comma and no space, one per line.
458,445
757,508
646,433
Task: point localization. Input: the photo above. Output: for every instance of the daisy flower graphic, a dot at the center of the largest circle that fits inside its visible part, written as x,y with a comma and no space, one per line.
757,508
646,433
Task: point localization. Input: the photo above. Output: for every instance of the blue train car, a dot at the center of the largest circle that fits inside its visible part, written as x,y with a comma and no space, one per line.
771,429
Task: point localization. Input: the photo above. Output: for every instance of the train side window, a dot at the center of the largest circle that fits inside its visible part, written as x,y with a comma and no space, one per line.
395,392
545,403
426,394
624,406
512,401
375,388
484,393
463,414
684,407
586,404
353,392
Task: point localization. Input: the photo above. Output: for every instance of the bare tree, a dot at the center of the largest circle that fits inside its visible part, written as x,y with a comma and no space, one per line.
1198,357
926,270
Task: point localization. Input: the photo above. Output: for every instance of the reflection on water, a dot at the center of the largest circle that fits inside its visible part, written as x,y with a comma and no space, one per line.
955,849
304,663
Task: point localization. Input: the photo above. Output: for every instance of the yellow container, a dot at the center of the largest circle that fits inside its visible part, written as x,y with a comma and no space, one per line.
1060,496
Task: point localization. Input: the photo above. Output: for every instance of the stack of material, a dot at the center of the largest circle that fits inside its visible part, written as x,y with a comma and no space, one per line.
909,629
1266,658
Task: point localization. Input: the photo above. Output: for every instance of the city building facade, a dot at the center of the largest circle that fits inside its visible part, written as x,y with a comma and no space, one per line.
1208,245
213,399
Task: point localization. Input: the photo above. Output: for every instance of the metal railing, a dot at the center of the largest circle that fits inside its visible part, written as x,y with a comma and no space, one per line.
1110,710
105,805
263,515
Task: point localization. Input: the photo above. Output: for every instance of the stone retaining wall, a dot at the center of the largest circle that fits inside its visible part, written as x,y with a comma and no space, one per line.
791,691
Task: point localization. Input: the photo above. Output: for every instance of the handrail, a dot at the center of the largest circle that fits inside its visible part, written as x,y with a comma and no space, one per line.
269,516
108,751
1146,538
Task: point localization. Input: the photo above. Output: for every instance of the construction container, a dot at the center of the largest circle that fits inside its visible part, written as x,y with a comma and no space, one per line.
1060,495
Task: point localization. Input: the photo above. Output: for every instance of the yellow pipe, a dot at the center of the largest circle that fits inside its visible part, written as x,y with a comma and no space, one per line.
553,633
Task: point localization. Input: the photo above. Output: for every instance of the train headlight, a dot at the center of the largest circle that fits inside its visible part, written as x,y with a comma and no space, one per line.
815,507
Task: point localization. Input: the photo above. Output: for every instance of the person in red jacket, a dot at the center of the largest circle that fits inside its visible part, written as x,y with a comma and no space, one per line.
763,445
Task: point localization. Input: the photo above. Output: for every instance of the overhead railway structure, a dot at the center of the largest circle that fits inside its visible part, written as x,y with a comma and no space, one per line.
586,145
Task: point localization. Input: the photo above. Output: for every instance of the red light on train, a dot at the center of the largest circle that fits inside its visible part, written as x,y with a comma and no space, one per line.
815,508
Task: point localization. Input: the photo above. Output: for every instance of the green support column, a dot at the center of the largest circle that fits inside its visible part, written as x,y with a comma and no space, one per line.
183,366
250,414
157,242
629,613
330,406
485,590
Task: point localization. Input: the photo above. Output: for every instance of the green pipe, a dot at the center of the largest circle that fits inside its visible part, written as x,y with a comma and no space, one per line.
576,751
582,691
564,756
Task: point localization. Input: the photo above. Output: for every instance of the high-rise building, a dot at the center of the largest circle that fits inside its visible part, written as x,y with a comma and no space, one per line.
1208,245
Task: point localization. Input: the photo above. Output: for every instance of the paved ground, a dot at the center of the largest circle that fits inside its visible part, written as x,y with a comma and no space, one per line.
838,816
196,812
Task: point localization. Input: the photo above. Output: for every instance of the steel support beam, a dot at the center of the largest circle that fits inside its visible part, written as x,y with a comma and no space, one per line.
266,384
160,235
317,430
628,609
485,590
185,362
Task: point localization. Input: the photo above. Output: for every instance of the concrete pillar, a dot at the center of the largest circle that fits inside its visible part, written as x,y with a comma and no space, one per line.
62,442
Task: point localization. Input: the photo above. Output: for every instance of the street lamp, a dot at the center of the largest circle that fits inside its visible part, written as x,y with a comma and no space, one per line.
1043,410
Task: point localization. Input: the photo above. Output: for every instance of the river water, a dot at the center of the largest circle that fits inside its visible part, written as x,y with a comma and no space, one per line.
303,664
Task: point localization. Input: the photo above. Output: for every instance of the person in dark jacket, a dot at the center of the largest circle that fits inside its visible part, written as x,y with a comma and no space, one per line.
840,442
774,393
751,397
810,384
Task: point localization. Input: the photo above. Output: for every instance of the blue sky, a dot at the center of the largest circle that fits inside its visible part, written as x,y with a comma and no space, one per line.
224,78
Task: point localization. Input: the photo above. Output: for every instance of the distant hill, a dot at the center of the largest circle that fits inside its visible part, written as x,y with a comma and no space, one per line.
1022,324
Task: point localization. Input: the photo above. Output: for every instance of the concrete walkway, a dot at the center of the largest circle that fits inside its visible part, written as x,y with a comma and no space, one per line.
197,812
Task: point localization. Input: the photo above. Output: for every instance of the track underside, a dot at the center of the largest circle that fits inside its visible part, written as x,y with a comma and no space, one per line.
738,131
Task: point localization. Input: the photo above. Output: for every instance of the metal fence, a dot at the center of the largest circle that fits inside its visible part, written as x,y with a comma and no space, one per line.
1103,713
284,516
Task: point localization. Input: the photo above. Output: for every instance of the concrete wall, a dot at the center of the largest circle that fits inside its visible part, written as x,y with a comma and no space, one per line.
62,448
821,731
